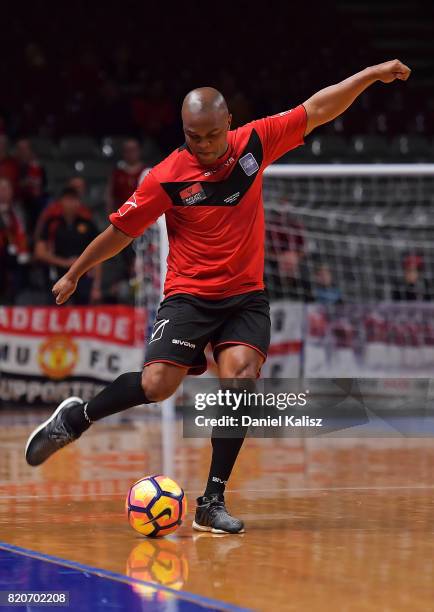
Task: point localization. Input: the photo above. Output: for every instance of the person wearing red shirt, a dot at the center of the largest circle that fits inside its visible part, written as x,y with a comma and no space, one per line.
14,250
62,238
8,165
210,190
125,177
55,209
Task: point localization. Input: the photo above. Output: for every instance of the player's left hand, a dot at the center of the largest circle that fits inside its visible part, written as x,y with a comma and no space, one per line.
63,289
390,71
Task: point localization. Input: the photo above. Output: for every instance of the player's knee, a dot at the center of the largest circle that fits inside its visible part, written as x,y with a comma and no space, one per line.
156,385
243,369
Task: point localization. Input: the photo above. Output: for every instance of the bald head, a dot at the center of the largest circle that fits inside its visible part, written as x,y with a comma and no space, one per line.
204,100
206,122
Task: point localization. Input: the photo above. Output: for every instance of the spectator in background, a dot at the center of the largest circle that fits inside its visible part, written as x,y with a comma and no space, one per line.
55,208
125,177
62,238
78,183
8,165
324,290
413,285
286,274
14,252
31,182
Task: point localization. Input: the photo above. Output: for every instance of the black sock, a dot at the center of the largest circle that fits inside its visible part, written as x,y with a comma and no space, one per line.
227,441
224,454
124,392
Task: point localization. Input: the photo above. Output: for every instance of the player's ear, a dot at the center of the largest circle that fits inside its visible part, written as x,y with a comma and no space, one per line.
229,121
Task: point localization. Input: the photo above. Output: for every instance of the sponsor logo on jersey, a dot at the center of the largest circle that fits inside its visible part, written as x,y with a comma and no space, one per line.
227,163
158,330
192,194
249,164
232,198
183,343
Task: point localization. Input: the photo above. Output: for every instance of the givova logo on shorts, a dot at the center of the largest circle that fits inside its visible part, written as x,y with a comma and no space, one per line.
183,343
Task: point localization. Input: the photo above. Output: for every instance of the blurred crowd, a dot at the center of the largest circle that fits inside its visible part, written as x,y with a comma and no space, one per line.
41,235
79,73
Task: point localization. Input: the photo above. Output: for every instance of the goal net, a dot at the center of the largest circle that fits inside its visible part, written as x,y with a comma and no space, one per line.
349,233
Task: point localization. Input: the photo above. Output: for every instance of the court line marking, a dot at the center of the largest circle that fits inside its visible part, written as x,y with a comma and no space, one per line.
246,491
109,575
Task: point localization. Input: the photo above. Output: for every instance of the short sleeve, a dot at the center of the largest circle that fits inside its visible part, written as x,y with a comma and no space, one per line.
142,209
281,133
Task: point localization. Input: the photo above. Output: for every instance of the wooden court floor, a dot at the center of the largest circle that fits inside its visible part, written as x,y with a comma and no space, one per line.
331,524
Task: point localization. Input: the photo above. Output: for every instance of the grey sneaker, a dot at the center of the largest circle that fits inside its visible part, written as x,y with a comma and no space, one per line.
53,434
211,515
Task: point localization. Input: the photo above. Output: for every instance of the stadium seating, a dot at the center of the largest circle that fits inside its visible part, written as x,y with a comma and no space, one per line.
78,147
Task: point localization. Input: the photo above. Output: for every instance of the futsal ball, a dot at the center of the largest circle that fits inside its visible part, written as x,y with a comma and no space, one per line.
155,506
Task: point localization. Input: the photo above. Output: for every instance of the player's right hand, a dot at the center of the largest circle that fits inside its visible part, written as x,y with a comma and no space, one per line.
63,289
392,70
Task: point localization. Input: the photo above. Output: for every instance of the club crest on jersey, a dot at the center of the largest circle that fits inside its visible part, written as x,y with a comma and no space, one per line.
192,194
249,164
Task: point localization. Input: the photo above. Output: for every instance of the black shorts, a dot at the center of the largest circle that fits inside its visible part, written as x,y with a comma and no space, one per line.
185,324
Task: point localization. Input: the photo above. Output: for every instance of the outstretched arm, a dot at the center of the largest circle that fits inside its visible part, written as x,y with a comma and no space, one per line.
109,243
329,103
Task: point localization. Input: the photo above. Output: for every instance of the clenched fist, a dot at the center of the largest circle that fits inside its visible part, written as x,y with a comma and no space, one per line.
390,71
63,289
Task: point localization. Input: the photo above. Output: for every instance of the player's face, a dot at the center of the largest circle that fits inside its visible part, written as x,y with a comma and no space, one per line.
206,135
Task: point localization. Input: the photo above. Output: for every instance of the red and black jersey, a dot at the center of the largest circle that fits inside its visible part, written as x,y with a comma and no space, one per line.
214,216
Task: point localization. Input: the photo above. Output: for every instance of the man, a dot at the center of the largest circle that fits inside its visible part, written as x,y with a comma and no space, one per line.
63,237
55,208
8,165
14,251
324,287
126,176
210,191
31,182
285,273
413,285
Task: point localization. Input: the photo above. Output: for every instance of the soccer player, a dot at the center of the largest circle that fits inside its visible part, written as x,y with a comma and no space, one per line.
210,190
